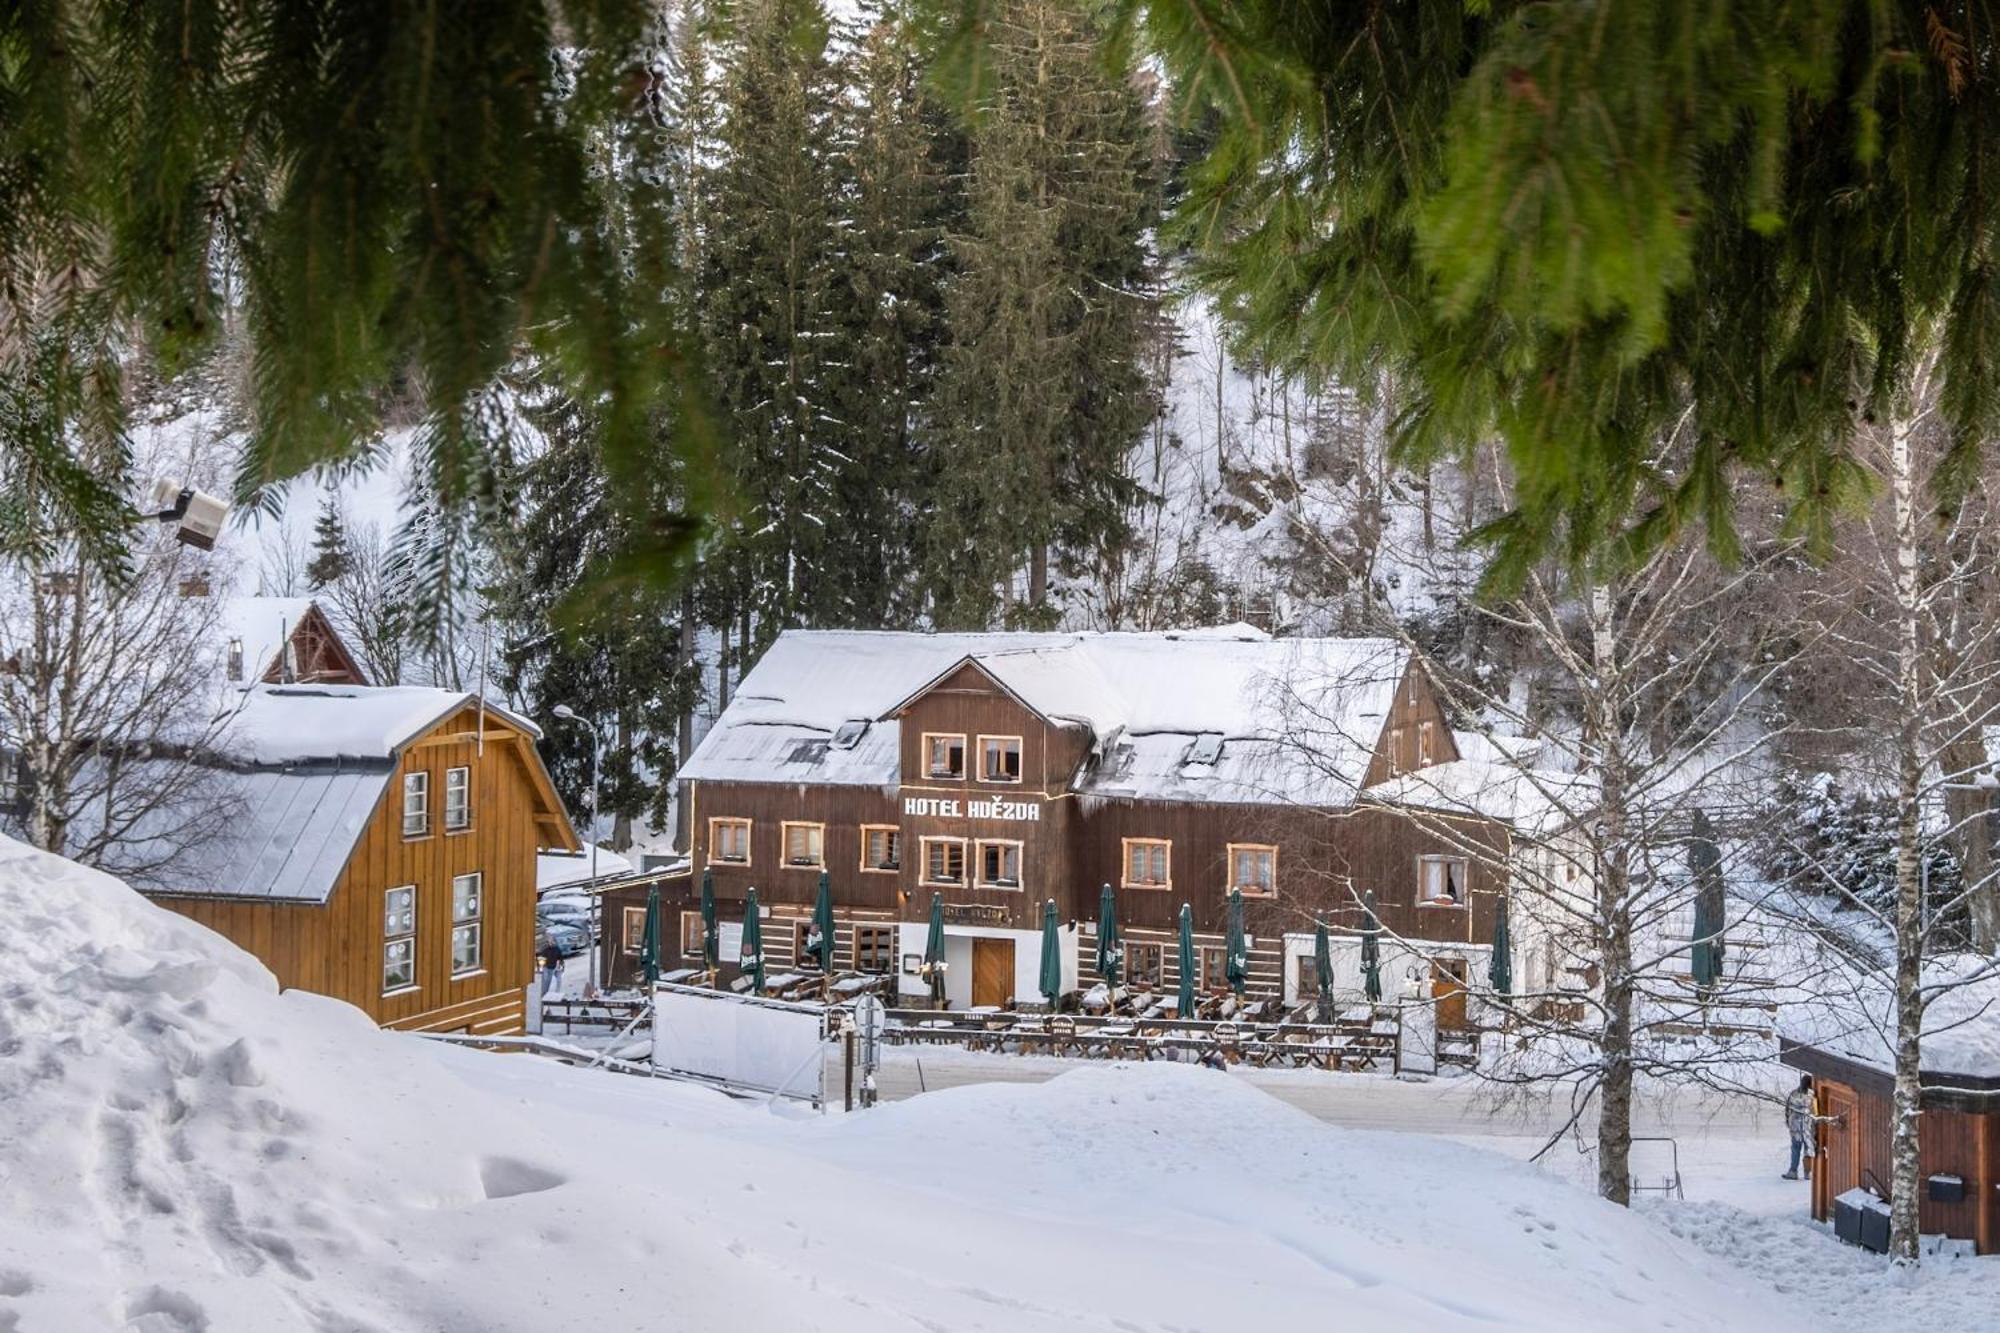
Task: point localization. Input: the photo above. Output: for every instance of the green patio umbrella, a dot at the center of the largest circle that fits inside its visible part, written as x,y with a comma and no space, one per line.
1236,964
711,945
752,955
1501,970
823,922
1710,903
1110,949
1051,986
649,945
1371,948
1323,972
1186,1004
934,950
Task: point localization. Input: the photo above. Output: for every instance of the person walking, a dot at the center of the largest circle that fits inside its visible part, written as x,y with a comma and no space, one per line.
552,961
1799,1123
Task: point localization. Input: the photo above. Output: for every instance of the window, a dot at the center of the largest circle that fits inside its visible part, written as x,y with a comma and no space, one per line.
691,931
999,865
805,939
467,900
805,845
236,659
944,756
874,949
999,758
881,847
729,840
1147,863
1441,881
1395,749
1145,964
1306,971
1253,868
457,799
633,937
416,804
944,860
399,938
1426,743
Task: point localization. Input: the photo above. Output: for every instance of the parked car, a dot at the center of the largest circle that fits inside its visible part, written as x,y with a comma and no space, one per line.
570,940
568,912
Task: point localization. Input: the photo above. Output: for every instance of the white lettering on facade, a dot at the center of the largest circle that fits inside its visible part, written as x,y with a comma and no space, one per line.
949,807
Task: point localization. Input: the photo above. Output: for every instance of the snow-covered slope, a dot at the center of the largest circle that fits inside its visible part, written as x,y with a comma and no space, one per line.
183,1148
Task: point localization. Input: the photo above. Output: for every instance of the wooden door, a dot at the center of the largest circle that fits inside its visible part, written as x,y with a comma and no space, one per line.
1838,1168
1448,991
992,971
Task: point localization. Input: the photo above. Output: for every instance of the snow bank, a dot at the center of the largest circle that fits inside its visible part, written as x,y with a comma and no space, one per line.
182,1148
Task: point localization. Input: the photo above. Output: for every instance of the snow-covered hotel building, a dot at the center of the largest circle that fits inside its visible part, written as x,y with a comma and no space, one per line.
1000,770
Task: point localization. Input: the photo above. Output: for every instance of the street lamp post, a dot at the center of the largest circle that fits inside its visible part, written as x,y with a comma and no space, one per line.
568,714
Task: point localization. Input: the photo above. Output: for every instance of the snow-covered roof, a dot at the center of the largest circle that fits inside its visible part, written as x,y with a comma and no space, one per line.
1854,1016
1295,719
262,624
1532,800
553,869
289,724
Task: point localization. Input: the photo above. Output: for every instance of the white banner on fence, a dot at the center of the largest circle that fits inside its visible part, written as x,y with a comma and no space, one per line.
753,1044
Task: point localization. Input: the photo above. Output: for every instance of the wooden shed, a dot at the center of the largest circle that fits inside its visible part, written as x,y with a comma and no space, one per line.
1958,1135
379,848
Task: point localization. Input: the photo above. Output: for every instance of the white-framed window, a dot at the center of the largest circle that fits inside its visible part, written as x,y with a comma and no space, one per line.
944,755
1253,868
944,860
632,935
729,841
881,848
1214,972
874,949
399,938
1441,881
999,758
468,909
416,804
1148,863
457,799
999,864
1145,964
805,845
691,932
1426,744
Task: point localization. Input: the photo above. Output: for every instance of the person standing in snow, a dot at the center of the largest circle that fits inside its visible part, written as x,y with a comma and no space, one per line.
551,966
1799,1123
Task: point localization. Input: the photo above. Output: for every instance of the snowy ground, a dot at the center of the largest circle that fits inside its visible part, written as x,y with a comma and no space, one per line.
182,1149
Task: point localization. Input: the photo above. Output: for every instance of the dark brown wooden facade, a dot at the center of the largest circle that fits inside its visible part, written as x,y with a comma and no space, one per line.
314,654
336,948
1071,844
1958,1134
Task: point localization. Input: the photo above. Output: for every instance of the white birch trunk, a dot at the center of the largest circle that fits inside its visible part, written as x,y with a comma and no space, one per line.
1903,1155
1614,912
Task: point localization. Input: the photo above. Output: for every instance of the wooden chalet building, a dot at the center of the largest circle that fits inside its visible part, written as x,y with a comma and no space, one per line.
1958,1131
377,845
1000,770
283,641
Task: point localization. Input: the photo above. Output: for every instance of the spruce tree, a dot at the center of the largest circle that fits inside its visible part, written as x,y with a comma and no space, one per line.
1045,385
331,559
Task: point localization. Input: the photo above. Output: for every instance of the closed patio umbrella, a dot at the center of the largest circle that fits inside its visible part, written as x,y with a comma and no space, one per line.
1371,949
1236,966
1186,1003
649,944
1110,950
1710,903
1501,970
1323,972
1051,985
823,923
711,944
752,956
934,950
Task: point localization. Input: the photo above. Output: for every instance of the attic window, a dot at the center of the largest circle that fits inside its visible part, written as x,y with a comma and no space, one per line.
235,668
850,733
807,752
1207,748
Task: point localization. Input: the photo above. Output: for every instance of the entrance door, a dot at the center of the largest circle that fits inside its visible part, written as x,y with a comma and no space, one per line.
992,971
1838,1168
1448,991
